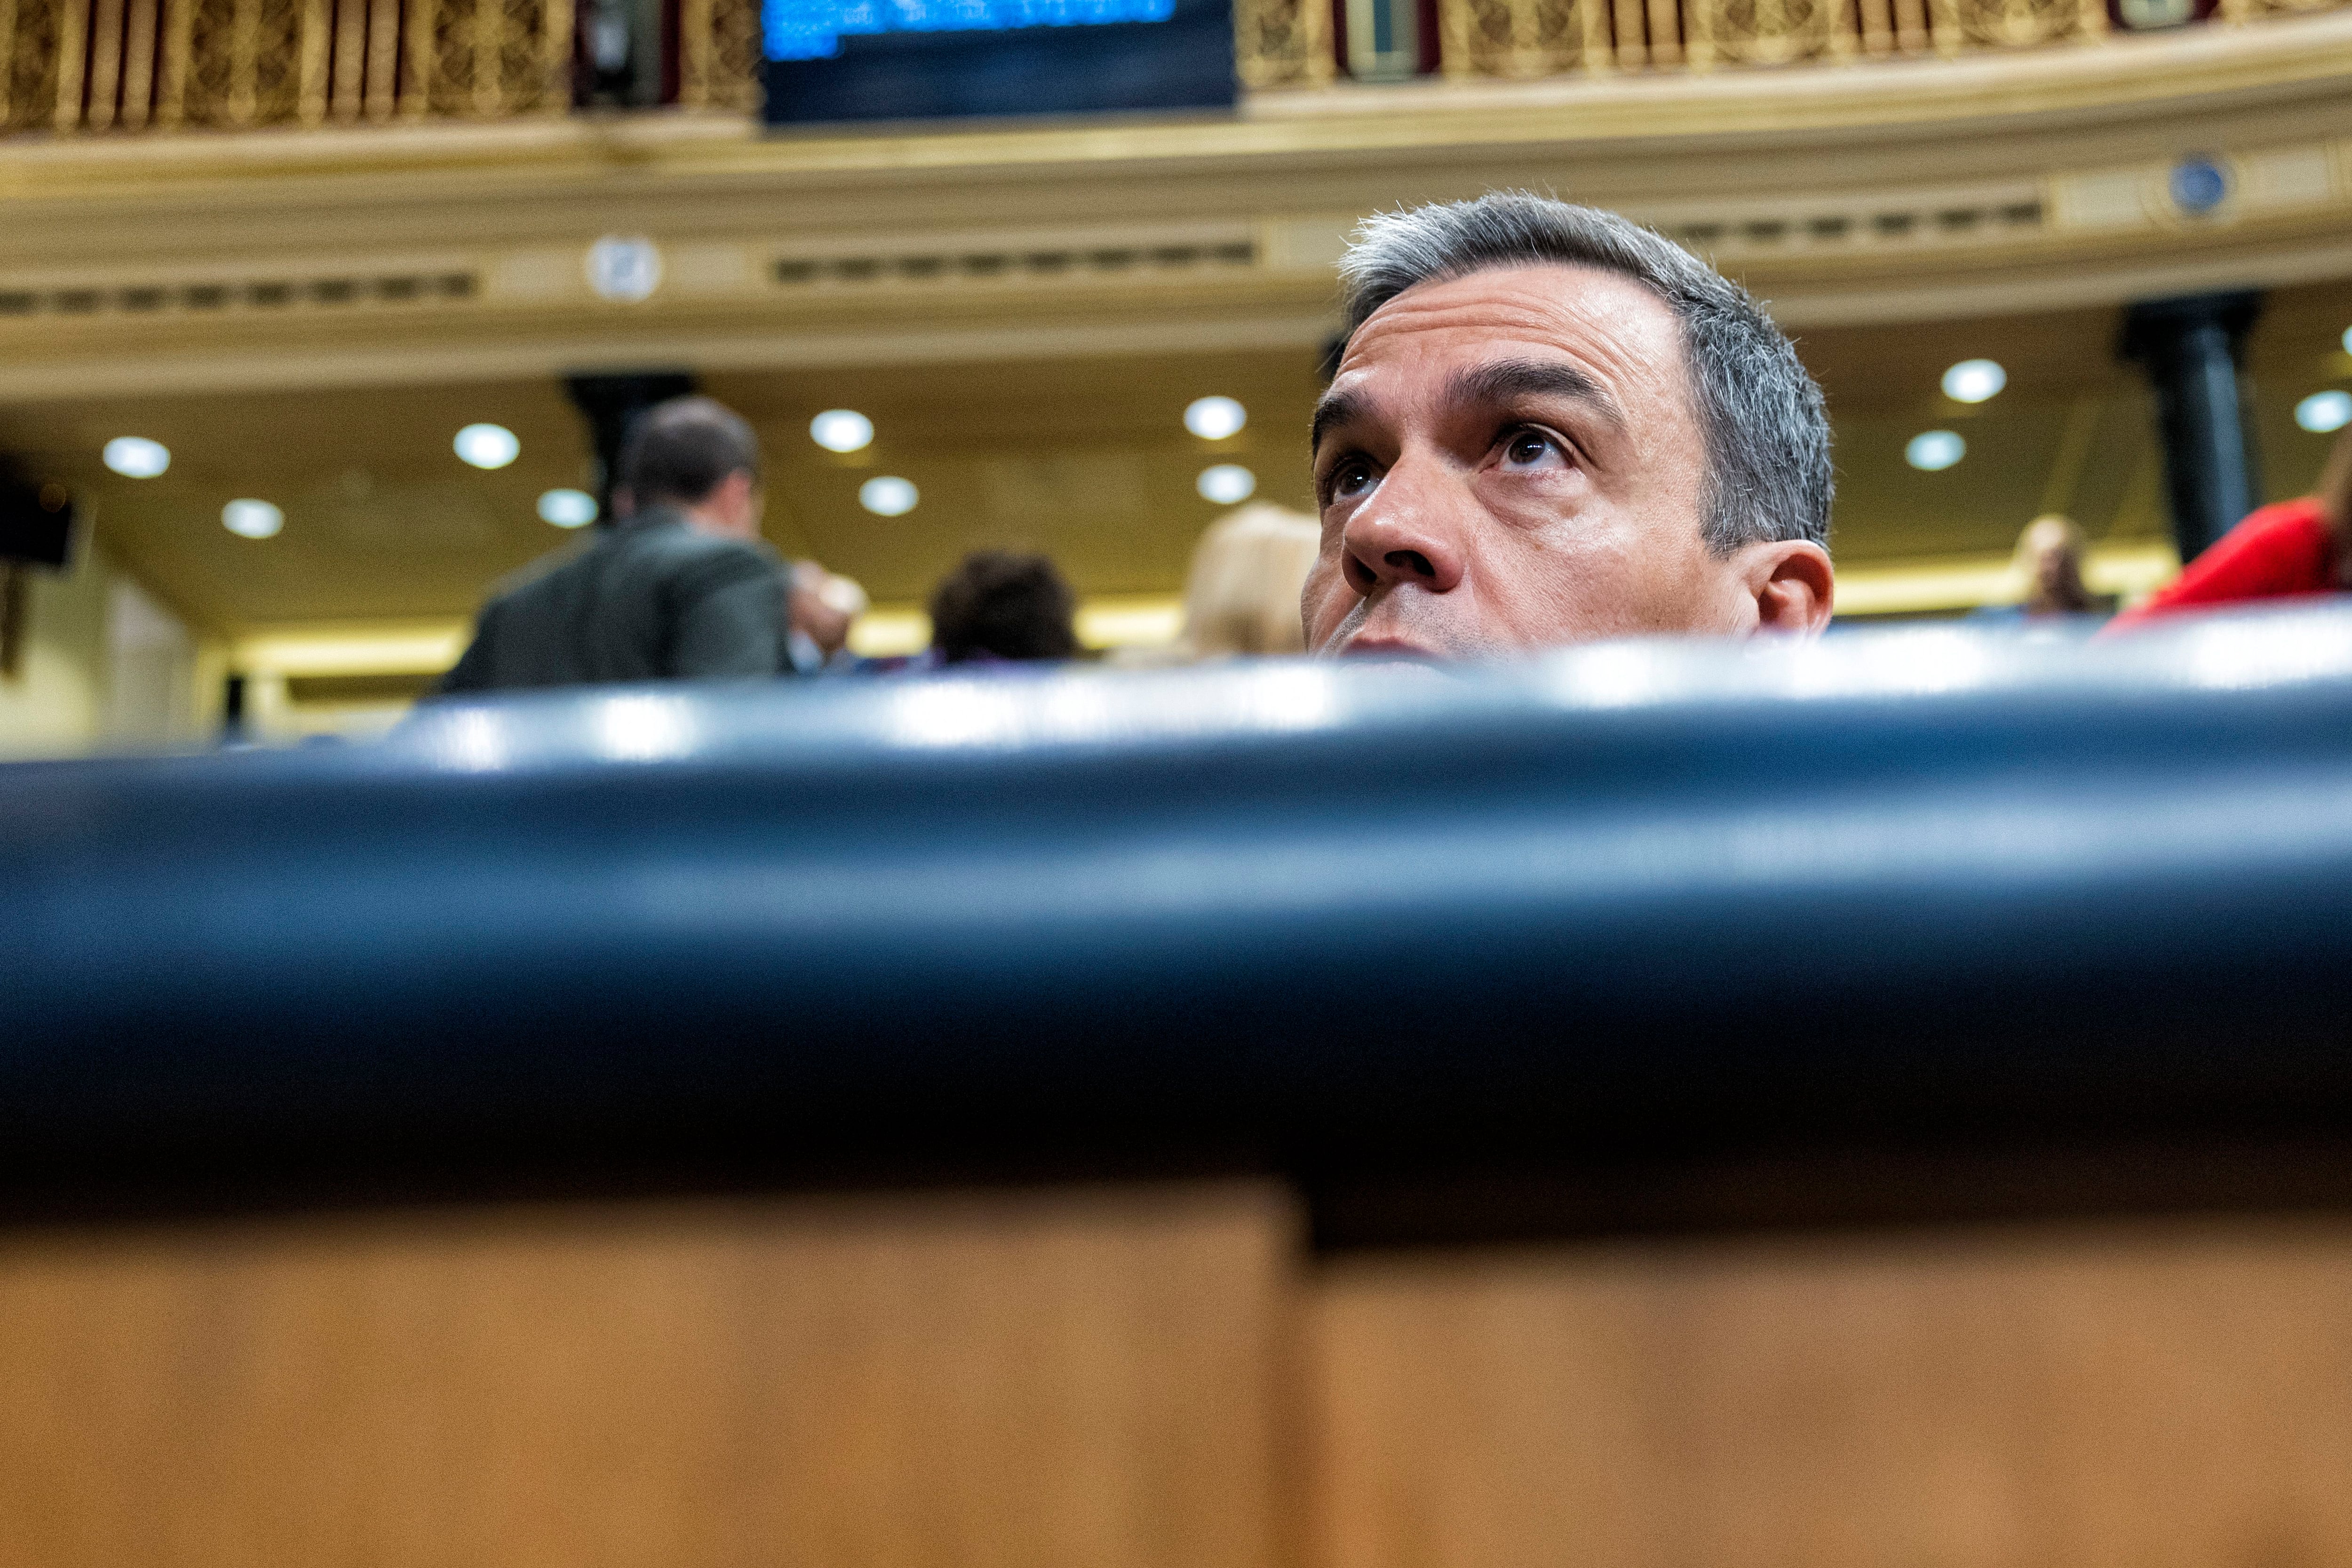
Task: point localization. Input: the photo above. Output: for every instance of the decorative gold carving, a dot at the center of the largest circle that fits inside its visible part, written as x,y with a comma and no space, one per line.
92,65
28,68
95,65
1517,38
2010,24
1768,32
734,56
1284,43
1522,38
718,54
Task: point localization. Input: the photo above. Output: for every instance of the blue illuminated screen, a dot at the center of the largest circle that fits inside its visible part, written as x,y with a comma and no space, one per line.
813,29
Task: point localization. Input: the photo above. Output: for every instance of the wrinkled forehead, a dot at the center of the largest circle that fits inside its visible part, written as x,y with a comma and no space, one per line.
1534,297
1609,327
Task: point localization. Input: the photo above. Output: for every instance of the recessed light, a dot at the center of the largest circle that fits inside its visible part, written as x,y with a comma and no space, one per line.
1935,450
2325,411
888,495
1974,380
1225,484
568,508
252,518
1214,418
842,430
488,446
137,457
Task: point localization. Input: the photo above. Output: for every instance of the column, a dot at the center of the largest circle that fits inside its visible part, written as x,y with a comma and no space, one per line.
2192,348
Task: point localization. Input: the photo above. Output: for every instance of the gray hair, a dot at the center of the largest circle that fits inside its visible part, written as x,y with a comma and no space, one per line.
1768,436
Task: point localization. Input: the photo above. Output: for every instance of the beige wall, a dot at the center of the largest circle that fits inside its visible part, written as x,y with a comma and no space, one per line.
102,665
54,702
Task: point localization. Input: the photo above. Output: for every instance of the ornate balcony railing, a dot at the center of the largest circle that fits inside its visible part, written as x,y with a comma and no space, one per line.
1287,43
100,65
129,65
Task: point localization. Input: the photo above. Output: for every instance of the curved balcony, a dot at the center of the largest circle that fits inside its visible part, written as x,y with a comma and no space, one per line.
165,65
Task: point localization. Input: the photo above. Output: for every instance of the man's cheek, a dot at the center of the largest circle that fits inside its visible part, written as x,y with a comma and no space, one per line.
1318,612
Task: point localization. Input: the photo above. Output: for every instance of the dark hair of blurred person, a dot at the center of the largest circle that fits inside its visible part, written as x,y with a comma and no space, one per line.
677,585
693,453
2290,549
999,605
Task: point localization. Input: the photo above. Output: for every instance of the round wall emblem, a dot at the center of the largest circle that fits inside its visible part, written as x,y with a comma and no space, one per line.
2198,185
624,267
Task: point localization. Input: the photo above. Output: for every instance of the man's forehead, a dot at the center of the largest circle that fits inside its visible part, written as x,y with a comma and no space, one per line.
1613,327
1437,337
1535,299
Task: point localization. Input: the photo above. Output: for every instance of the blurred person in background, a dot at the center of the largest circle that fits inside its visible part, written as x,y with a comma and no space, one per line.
2049,563
1242,596
1550,426
679,586
823,605
999,607
2290,549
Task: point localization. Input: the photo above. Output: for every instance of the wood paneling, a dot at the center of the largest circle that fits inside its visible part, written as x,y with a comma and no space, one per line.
1007,1382
1115,1378
2153,1396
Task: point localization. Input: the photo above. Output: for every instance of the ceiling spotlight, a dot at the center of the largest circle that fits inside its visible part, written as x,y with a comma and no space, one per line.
488,446
887,496
2325,411
1214,418
842,430
137,457
1974,380
2347,340
568,508
1935,450
1225,484
252,518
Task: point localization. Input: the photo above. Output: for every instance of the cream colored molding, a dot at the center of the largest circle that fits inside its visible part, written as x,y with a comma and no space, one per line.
745,288
402,359
2051,284
350,648
2262,182
1305,244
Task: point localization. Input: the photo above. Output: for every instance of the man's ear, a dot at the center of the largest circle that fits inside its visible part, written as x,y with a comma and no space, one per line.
1792,585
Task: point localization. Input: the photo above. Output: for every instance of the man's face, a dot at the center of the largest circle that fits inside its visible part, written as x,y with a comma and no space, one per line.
2057,569
1512,459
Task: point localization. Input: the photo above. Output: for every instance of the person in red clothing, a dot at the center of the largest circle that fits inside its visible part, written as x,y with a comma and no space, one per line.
2287,550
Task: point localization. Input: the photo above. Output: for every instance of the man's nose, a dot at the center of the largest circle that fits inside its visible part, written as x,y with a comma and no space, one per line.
1406,532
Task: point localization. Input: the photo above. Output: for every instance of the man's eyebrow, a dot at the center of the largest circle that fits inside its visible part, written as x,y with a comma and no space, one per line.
1336,408
1506,380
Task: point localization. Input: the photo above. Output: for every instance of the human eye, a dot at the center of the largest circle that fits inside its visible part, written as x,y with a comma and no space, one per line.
1528,446
1350,478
